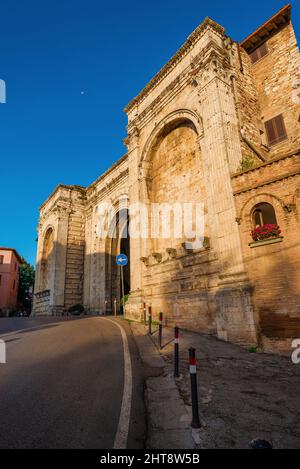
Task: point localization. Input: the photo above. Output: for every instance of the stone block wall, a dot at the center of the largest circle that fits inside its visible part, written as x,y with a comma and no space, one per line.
275,77
75,253
273,269
181,289
42,303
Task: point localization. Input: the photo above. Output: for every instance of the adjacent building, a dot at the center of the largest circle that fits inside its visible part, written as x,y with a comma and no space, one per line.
10,262
218,125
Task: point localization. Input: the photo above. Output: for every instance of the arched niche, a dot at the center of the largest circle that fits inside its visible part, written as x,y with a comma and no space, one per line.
174,175
47,259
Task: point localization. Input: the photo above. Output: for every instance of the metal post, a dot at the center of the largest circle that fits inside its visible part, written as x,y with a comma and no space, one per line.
105,312
123,294
115,306
145,319
176,352
150,320
194,390
160,330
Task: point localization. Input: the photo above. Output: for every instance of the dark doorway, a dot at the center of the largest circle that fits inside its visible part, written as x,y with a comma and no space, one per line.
119,244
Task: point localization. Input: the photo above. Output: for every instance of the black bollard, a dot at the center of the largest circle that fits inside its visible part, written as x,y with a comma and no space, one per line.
194,390
149,320
160,330
176,352
145,319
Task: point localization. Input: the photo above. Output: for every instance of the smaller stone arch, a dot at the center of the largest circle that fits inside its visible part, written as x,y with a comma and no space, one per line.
248,207
260,198
47,258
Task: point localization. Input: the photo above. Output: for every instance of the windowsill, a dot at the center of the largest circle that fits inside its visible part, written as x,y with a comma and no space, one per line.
266,242
274,144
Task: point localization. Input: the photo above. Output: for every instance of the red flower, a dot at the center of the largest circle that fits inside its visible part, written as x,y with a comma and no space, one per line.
266,232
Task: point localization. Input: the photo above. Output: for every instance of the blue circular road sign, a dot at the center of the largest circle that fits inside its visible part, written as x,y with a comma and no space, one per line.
122,260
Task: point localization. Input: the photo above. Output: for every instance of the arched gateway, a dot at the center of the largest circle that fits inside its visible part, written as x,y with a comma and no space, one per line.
199,132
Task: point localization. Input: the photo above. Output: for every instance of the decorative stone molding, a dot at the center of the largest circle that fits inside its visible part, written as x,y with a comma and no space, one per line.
131,141
172,253
157,256
188,247
187,46
145,261
42,294
289,208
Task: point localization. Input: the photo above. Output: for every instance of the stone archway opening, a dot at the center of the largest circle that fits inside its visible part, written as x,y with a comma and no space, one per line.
119,243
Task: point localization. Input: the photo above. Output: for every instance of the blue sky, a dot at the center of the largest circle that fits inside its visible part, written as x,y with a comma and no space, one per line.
71,66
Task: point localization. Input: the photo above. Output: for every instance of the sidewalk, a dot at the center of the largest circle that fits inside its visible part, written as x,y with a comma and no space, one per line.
242,395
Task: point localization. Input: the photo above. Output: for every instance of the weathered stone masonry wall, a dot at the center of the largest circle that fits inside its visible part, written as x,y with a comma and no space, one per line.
273,269
75,252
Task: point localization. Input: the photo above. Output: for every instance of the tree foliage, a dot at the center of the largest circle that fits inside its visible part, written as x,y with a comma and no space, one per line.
26,285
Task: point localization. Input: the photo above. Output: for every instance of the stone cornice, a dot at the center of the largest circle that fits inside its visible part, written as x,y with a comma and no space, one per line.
107,189
267,163
106,173
267,182
80,189
192,39
185,78
260,181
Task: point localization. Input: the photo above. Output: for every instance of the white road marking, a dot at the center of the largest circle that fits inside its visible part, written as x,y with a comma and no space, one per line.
124,420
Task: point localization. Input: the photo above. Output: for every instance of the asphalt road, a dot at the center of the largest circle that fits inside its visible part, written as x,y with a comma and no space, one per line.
62,385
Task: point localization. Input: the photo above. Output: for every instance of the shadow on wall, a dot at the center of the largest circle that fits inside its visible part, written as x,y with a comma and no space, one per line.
91,280
277,291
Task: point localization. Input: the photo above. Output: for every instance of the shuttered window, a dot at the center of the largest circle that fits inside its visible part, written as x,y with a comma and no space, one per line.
259,53
275,129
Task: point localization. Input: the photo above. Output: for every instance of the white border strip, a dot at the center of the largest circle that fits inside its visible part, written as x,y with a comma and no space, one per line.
124,420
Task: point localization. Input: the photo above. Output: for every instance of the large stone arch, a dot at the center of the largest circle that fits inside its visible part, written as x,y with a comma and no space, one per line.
171,164
169,121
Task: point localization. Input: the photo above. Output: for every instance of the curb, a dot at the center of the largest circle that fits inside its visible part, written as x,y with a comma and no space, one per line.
168,417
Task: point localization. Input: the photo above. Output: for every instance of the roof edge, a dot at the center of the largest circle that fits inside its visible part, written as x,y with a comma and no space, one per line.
62,186
20,259
108,171
247,43
165,70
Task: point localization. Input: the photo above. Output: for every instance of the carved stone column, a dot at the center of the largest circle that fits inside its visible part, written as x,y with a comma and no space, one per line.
135,305
58,275
221,150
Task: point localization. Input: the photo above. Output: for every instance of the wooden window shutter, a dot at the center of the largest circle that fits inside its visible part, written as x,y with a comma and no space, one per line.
275,129
259,53
280,128
254,56
263,50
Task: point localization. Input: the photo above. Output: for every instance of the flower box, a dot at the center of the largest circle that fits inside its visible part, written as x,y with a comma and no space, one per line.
266,242
266,232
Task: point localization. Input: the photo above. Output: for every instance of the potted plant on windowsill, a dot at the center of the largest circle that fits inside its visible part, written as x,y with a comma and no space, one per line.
266,234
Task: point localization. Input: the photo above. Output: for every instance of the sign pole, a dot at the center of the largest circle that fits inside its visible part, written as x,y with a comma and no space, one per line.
122,260
123,295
